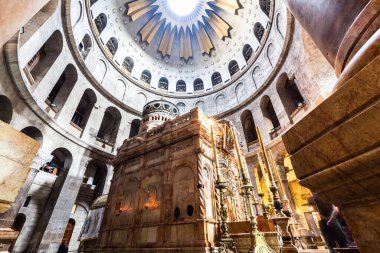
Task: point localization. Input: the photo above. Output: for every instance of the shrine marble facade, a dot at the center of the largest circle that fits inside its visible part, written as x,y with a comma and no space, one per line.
163,195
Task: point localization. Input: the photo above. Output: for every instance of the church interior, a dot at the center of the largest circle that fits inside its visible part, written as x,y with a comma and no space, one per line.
197,126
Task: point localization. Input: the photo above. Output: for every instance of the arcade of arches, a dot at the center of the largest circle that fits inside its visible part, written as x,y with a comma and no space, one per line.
222,126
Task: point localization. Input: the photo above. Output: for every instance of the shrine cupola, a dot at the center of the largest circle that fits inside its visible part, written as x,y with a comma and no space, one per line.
156,113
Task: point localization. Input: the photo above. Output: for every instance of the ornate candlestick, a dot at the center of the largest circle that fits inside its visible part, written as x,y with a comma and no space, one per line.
285,200
273,187
260,193
277,175
258,242
280,219
226,242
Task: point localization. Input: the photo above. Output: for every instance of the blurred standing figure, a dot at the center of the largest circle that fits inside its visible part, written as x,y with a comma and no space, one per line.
329,224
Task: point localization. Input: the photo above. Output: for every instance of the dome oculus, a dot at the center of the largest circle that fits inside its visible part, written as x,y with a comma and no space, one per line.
184,7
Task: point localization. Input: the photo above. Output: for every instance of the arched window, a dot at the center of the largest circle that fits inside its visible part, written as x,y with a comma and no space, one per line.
61,161
101,22
240,92
84,109
256,76
62,89
6,109
201,105
258,30
33,133
265,6
135,125
269,114
220,103
182,107
163,83
289,94
181,86
112,45
41,62
141,100
233,67
85,46
95,175
110,125
198,84
249,127
216,78
146,76
270,54
128,64
247,52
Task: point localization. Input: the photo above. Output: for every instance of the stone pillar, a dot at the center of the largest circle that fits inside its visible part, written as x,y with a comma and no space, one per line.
332,24
15,14
335,149
53,221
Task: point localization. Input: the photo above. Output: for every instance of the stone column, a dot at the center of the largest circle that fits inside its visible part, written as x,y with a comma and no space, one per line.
15,14
53,221
328,22
335,149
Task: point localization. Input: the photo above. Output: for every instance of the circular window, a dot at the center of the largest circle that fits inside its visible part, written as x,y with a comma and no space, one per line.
190,210
177,212
182,8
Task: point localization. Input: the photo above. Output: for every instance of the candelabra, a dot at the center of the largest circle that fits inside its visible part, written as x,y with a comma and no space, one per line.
258,242
226,242
280,218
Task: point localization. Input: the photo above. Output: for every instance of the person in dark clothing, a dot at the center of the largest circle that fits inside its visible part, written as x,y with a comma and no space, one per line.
63,248
330,227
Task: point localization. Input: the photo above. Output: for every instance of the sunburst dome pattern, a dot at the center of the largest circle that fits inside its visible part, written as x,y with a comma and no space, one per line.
163,20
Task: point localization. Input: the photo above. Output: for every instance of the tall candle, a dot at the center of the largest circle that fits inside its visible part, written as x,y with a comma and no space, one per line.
258,185
265,175
266,163
276,172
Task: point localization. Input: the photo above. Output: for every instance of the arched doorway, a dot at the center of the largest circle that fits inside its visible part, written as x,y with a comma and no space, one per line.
270,116
84,109
249,128
95,176
68,233
289,94
109,127
40,63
